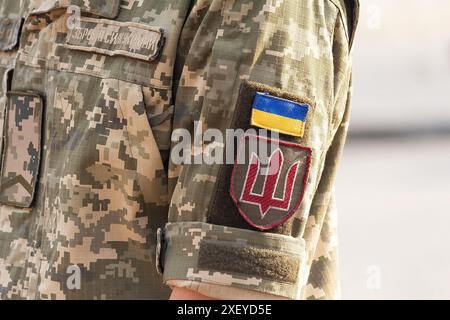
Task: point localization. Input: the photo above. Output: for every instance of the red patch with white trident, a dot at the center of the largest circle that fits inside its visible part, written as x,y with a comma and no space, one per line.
268,180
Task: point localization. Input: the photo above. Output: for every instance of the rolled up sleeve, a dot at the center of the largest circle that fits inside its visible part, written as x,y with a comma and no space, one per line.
298,50
233,257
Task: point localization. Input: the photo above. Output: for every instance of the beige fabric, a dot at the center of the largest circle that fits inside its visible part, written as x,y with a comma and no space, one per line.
222,292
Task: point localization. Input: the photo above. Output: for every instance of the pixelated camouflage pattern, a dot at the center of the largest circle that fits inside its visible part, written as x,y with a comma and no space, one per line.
105,185
22,149
102,191
104,8
323,279
300,47
182,254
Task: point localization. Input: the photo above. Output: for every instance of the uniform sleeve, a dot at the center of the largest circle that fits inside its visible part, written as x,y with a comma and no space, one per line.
321,229
233,228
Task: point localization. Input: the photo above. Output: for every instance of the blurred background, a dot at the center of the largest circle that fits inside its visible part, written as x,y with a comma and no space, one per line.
394,184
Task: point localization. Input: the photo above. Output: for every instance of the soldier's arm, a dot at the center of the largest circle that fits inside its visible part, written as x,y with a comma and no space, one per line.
295,51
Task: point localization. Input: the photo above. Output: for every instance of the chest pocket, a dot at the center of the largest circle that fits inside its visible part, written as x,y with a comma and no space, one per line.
9,38
22,149
105,73
134,42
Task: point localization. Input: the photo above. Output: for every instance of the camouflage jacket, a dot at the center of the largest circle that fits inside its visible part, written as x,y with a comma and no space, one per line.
92,205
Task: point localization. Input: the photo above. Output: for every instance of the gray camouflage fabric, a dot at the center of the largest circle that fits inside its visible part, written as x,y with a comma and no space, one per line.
22,149
106,197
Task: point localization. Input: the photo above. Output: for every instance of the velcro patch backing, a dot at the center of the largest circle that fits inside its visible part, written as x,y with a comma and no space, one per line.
223,210
257,262
115,38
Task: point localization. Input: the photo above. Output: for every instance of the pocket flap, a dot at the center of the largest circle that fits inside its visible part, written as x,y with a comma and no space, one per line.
22,149
106,9
9,33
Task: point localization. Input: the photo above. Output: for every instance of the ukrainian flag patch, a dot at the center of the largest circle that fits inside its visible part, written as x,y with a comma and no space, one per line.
278,114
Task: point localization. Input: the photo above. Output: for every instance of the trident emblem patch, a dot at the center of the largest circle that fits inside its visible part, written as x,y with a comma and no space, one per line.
267,194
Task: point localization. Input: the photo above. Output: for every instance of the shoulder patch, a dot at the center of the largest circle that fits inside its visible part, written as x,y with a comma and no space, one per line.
267,193
279,114
226,207
115,38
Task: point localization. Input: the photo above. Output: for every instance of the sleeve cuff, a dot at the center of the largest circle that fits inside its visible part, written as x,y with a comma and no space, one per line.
219,292
238,258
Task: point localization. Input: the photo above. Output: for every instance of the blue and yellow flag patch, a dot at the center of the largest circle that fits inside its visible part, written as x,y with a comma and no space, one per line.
278,114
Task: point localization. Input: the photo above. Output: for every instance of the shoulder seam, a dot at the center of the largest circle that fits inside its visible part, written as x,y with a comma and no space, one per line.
342,12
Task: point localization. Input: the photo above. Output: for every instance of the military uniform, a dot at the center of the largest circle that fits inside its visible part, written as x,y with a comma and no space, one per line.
88,107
